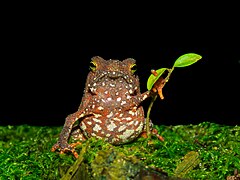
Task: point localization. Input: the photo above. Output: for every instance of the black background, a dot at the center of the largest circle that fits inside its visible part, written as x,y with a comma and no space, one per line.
44,83
45,60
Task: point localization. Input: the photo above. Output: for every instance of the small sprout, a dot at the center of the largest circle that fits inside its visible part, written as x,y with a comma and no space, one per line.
156,82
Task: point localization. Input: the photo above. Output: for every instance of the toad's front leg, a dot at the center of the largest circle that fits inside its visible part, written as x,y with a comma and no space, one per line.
62,143
157,88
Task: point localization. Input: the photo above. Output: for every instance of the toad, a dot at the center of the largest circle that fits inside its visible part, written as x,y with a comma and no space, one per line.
110,108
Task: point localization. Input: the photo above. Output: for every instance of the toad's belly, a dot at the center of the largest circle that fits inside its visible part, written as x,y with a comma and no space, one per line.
118,129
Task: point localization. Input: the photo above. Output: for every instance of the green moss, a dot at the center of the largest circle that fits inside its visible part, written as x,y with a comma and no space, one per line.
25,151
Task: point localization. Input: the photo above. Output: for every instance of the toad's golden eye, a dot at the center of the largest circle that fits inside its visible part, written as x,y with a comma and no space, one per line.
93,66
133,68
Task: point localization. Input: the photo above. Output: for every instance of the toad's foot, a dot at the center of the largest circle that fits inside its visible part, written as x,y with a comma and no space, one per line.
65,147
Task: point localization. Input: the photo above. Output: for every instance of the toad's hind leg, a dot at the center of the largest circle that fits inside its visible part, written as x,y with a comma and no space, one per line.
77,134
62,142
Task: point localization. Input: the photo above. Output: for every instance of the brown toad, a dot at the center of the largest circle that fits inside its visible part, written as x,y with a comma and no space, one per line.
110,108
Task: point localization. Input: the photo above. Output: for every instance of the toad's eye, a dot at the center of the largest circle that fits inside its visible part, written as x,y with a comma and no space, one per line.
93,66
133,68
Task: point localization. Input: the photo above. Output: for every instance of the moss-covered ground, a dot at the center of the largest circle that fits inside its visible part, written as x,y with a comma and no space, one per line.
215,151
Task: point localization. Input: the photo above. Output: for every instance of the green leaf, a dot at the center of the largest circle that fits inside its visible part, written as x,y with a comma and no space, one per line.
152,79
187,59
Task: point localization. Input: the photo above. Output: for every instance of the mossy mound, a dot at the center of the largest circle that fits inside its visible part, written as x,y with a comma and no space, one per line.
203,151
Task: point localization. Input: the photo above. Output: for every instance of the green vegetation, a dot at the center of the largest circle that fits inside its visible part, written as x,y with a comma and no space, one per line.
211,151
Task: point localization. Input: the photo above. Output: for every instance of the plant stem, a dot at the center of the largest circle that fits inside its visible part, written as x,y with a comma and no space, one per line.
148,114
168,76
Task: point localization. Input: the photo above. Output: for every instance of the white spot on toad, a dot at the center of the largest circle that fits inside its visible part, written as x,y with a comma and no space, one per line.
145,96
97,128
89,122
110,115
126,134
131,112
111,126
121,128
128,118
96,120
83,126
123,102
100,108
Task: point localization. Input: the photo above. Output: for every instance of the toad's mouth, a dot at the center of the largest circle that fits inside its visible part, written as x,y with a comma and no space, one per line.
112,75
